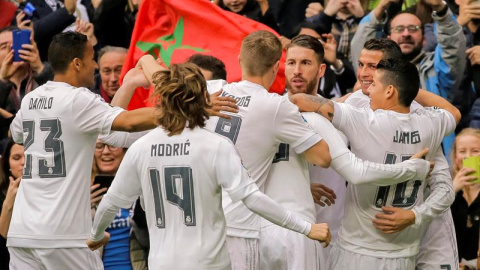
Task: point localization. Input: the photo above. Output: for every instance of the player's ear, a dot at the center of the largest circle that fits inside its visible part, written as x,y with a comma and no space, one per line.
390,91
77,64
321,71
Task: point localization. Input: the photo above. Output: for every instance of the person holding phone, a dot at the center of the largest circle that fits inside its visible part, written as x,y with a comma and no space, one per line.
17,78
466,207
118,254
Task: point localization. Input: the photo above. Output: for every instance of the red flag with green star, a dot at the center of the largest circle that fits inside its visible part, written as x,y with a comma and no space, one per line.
174,30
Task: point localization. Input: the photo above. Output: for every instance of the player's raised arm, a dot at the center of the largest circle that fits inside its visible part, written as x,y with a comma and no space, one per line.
428,99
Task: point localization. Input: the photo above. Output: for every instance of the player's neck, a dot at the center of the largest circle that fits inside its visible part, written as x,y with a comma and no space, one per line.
263,81
67,78
397,108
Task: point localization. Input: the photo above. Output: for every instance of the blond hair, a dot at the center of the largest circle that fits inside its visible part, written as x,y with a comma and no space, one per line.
260,51
453,155
181,97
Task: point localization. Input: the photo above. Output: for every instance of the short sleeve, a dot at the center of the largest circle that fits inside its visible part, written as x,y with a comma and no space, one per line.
230,172
351,121
16,128
291,128
91,114
126,187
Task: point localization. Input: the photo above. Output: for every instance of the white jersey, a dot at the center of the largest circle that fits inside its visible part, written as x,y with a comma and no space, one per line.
180,178
289,179
263,122
386,137
58,124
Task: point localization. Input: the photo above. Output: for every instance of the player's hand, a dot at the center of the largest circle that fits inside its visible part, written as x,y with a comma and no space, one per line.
463,179
320,232
393,219
96,194
137,78
421,155
218,103
322,195
95,245
305,102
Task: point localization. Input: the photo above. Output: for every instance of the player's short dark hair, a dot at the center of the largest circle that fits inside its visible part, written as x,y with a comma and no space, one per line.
309,42
64,48
210,63
403,75
389,47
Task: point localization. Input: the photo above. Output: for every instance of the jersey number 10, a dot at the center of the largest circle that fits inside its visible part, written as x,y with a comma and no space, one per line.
400,199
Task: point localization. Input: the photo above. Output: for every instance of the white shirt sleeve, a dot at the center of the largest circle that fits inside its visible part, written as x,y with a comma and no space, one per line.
441,195
357,171
126,187
16,128
290,127
104,216
121,138
444,119
231,173
329,133
358,99
92,114
267,208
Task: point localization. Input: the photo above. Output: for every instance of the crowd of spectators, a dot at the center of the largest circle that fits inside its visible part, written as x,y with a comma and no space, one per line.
441,38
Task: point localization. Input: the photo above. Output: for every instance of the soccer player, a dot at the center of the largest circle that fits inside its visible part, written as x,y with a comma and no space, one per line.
179,168
438,245
390,127
58,124
289,179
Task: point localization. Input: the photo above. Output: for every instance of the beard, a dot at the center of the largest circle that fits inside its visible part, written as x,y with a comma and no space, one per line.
311,87
411,55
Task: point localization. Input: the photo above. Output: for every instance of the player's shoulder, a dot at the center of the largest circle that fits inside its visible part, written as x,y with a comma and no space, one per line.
428,112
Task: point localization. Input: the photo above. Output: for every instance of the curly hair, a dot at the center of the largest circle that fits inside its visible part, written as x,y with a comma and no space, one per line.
181,97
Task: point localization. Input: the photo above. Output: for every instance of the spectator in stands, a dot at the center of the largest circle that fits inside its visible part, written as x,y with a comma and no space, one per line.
341,17
13,160
50,18
17,78
110,63
288,14
258,10
123,250
114,21
466,207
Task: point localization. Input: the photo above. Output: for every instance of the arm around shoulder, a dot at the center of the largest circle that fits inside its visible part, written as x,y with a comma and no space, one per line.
427,99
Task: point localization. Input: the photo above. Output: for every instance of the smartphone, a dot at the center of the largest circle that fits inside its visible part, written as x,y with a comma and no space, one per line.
29,9
103,180
20,37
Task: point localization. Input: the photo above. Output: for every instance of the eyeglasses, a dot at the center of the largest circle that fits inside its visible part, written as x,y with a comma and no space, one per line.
100,146
411,29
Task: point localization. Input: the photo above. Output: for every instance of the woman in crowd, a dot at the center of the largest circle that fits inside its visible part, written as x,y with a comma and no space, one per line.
13,161
466,208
